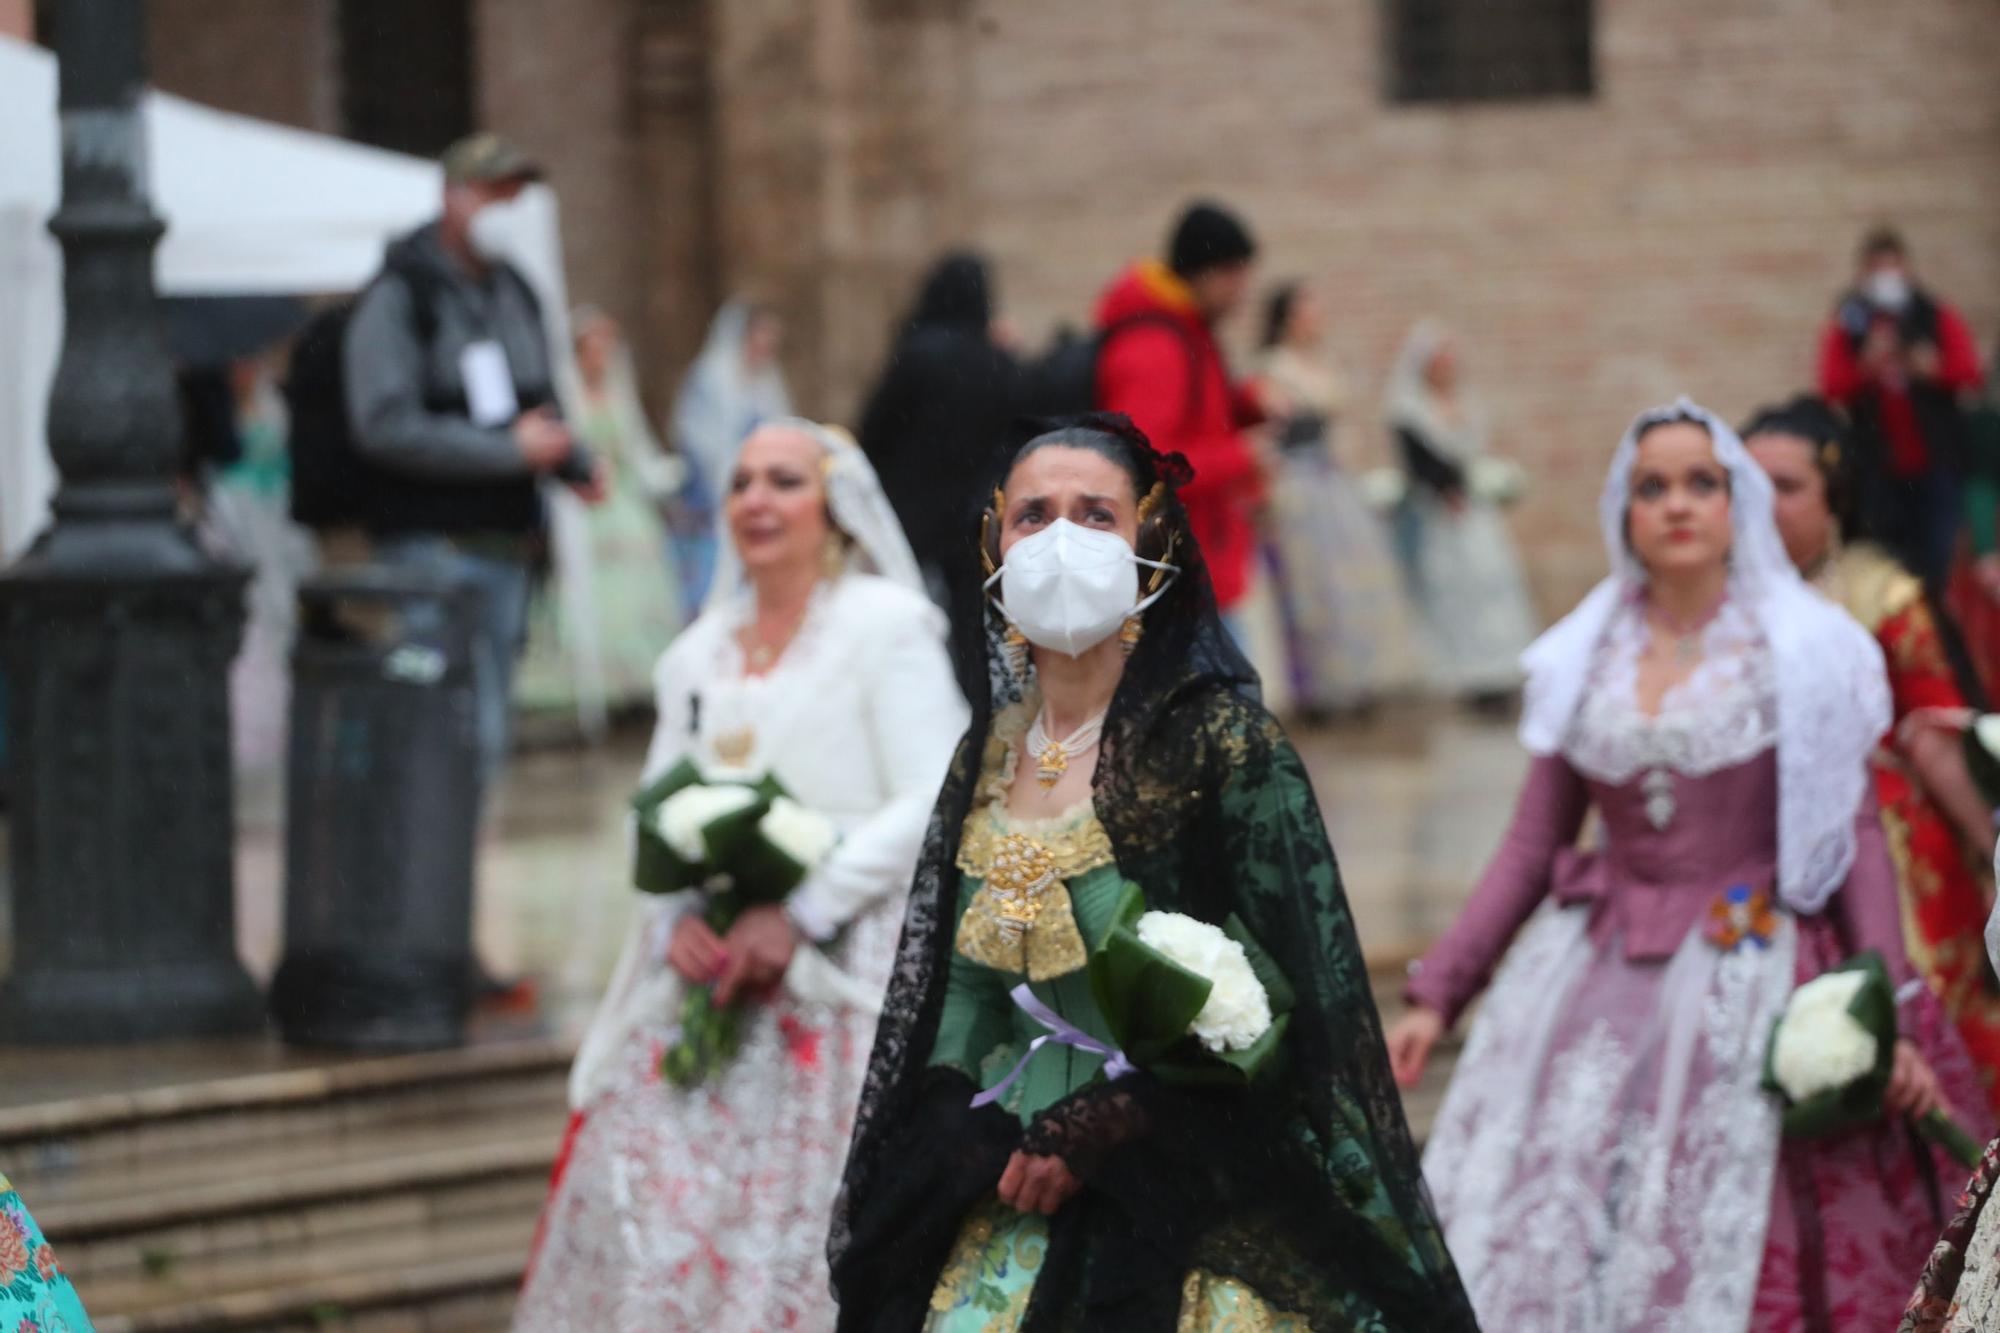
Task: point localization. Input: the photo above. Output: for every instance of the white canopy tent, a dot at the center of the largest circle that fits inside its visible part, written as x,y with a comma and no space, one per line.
250,207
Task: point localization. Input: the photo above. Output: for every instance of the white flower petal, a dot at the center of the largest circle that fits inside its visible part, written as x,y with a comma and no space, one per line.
683,817
1819,1046
806,836
1238,1011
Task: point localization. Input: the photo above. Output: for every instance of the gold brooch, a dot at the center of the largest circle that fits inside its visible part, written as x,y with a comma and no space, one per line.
1022,870
1021,921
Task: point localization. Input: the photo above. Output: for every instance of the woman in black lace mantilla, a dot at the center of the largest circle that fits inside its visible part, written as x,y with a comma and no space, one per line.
1070,1200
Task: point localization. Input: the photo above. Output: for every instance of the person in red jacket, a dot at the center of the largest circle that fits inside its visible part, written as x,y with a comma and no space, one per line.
1898,360
1159,364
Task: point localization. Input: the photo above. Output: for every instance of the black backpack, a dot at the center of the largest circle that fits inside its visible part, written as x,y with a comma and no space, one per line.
331,482
1064,382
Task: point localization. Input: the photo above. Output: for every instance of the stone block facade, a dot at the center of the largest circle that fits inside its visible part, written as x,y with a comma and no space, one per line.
1684,229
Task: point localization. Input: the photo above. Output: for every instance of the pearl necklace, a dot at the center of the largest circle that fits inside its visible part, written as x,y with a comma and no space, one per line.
1686,638
1052,756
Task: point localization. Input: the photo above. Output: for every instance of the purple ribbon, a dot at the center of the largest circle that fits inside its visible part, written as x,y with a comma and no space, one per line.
1060,1031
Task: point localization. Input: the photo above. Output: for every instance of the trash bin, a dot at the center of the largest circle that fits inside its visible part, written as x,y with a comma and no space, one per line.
381,814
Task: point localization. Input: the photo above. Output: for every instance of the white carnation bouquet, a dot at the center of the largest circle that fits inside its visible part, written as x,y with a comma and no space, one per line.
1498,481
741,844
1832,1052
1187,1000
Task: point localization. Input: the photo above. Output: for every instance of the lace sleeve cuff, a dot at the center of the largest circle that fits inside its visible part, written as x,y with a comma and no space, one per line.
812,920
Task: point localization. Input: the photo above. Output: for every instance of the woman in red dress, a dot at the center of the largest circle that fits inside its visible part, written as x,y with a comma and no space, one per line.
1937,825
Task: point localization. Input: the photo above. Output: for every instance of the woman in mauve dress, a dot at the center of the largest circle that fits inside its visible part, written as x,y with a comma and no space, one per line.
1607,1157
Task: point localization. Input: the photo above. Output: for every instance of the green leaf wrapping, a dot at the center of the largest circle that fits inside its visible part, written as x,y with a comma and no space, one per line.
1150,1002
760,872
1951,1136
1984,765
656,867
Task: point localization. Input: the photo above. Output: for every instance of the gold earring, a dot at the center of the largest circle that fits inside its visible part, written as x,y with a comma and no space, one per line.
833,556
1129,632
1015,645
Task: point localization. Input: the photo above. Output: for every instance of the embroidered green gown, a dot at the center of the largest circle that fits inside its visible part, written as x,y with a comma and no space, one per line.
989,1278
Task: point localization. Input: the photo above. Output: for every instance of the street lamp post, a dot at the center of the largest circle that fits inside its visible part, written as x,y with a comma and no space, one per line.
117,631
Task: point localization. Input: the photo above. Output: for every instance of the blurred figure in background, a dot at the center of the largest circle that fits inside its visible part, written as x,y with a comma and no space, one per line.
1464,568
209,440
450,389
1158,363
936,420
1897,359
249,505
734,386
598,626
1346,616
1974,597
1939,827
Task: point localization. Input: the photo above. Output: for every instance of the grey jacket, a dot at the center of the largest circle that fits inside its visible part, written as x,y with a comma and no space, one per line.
405,399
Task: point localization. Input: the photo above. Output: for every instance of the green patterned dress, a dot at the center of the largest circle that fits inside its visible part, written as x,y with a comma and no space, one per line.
35,1297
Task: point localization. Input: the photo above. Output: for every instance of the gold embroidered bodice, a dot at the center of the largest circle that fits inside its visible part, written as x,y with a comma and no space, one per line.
1021,919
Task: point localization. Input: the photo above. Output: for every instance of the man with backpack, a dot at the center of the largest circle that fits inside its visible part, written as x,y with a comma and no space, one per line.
1157,361
443,421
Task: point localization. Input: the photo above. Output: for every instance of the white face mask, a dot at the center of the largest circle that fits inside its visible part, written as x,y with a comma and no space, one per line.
491,231
1889,288
1069,588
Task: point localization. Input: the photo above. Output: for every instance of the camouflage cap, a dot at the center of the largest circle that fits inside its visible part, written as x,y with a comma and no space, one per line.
484,158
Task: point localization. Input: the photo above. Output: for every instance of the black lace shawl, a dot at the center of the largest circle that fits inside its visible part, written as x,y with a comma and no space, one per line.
1200,794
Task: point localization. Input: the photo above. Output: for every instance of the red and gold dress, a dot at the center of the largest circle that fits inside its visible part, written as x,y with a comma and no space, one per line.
1946,892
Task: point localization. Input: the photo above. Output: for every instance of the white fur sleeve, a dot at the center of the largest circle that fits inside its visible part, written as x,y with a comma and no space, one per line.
915,718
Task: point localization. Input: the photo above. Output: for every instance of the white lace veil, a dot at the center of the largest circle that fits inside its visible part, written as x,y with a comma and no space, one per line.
1409,402
721,400
1833,696
859,508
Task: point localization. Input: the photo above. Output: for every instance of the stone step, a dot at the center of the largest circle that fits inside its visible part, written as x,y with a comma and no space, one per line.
386,1283
379,1194
55,1148
240,1221
91,1198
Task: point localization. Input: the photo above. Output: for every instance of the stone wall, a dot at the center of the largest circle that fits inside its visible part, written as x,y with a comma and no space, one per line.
274,61
559,81
840,169
1686,229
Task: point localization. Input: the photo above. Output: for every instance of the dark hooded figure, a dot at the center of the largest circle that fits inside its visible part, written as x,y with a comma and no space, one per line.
936,417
